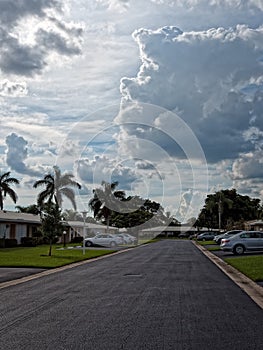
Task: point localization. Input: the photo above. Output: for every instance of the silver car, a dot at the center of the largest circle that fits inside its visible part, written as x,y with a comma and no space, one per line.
227,234
103,239
243,241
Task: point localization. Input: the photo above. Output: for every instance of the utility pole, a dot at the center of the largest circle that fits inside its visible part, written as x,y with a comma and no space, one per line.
219,211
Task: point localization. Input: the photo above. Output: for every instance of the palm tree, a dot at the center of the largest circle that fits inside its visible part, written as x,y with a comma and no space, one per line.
5,189
106,200
57,186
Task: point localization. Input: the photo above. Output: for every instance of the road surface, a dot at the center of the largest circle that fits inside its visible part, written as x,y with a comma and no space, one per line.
165,295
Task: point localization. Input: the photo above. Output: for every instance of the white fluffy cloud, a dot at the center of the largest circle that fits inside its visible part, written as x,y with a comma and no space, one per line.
201,76
16,156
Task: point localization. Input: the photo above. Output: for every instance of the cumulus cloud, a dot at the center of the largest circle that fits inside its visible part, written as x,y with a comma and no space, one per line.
101,168
25,53
119,5
13,89
192,4
17,154
248,166
200,75
144,165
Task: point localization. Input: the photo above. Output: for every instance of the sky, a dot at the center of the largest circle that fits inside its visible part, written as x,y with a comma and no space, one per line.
163,96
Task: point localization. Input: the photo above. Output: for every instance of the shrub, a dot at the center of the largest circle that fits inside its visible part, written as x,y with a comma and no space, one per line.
28,241
77,240
2,243
8,243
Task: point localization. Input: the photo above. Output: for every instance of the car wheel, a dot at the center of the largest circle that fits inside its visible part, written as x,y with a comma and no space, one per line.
88,244
113,244
203,239
239,249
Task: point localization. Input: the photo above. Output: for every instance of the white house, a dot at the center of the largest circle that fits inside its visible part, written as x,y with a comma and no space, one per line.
15,225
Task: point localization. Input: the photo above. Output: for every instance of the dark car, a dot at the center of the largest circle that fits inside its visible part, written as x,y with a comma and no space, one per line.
206,236
184,235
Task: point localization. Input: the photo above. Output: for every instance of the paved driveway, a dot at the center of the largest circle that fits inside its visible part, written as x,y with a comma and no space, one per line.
165,295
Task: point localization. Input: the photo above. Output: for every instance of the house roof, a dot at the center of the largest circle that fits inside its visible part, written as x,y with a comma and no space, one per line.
80,224
255,222
169,229
12,216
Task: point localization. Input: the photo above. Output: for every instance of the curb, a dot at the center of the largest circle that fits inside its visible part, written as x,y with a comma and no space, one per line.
253,290
58,269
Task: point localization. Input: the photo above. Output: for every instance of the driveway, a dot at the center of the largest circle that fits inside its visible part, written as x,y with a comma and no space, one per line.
165,295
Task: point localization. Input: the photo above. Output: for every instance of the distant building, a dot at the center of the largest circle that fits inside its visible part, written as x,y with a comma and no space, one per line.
254,225
170,231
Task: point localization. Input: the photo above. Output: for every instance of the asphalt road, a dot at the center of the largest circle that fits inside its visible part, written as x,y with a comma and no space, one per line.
165,295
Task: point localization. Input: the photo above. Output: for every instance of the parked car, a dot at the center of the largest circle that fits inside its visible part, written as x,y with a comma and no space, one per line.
103,239
124,239
131,239
184,235
227,234
243,241
127,238
206,236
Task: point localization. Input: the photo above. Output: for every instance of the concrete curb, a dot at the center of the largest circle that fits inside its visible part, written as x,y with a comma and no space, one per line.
253,290
58,269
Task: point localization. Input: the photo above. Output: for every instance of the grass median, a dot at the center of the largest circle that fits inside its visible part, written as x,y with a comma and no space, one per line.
209,245
251,266
38,256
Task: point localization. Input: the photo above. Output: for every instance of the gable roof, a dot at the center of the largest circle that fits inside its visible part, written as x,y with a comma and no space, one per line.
12,216
80,224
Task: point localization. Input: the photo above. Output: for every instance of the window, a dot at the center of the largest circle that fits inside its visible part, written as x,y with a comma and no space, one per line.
255,234
244,235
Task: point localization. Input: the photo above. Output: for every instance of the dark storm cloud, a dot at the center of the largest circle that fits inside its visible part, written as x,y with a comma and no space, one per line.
51,35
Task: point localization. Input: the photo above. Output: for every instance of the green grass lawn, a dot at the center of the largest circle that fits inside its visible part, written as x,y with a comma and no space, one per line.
207,243
213,249
251,266
38,256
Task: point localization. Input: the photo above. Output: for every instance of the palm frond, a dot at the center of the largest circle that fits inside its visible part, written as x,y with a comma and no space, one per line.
11,193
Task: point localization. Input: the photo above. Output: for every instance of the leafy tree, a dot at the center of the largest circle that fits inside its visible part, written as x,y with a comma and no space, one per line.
106,200
5,182
191,221
72,215
57,185
137,211
228,208
221,202
31,209
51,220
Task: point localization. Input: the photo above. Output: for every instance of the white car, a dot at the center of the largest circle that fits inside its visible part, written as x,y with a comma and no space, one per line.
130,238
125,240
103,239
